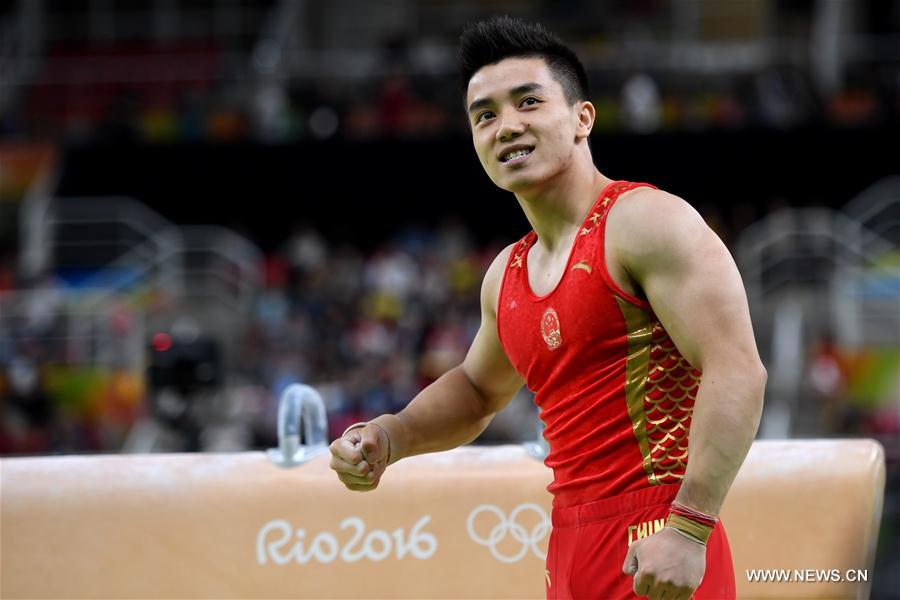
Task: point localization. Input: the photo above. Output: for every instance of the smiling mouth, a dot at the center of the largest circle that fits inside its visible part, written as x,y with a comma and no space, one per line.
515,155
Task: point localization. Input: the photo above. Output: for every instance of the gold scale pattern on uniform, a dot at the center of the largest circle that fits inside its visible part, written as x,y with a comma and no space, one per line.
672,385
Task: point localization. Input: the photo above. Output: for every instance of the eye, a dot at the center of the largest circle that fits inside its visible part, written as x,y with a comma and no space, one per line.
481,117
529,101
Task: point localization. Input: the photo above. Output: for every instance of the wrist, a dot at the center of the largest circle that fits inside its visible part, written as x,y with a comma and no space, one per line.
357,425
689,529
691,523
689,512
701,496
383,427
393,429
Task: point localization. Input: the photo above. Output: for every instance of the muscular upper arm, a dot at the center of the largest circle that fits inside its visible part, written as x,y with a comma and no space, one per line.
688,276
486,364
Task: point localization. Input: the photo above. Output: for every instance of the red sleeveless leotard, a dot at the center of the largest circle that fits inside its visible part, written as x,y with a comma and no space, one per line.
616,398
614,393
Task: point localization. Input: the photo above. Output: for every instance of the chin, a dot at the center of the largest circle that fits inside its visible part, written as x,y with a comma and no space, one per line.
519,184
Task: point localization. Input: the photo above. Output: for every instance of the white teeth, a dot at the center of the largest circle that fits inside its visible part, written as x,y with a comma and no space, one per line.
515,154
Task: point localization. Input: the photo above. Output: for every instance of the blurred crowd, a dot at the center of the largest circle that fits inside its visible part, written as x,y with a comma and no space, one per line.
368,329
83,96
55,396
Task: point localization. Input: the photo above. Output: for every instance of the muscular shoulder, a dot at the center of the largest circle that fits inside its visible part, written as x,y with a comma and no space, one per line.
493,278
651,227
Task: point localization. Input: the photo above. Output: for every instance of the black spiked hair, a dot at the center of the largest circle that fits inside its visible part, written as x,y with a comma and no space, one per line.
488,42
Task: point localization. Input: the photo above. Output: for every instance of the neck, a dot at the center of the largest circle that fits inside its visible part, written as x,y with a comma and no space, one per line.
557,209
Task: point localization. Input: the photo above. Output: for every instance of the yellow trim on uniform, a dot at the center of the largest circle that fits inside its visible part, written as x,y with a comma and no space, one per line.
639,330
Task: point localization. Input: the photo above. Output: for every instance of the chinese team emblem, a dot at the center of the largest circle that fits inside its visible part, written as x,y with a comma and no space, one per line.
550,329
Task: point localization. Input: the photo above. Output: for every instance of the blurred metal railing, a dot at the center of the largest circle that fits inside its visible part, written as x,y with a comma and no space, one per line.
118,244
797,246
221,265
77,330
21,45
877,209
107,242
107,248
815,273
866,303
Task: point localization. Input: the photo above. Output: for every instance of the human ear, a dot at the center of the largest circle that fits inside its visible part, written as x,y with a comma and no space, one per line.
586,115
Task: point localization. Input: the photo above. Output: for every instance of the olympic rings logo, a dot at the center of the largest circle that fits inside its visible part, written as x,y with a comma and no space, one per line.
528,539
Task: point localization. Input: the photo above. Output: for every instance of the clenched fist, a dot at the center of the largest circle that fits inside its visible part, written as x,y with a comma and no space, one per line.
665,565
360,457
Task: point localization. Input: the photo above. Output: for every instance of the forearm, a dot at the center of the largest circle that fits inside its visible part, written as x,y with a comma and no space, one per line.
448,413
726,416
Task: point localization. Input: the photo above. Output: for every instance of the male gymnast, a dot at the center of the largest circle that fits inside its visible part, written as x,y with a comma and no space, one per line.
624,314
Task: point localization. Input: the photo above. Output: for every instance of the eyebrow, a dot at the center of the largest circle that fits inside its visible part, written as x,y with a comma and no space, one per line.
516,91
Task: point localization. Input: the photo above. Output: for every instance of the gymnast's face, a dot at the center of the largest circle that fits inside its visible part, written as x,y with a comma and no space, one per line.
524,130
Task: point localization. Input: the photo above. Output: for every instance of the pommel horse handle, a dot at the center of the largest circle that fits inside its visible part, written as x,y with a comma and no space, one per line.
299,404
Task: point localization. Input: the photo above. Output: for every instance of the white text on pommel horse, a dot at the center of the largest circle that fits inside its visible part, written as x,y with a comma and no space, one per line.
274,542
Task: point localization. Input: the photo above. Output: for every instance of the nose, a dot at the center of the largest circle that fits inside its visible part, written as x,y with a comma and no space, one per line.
511,126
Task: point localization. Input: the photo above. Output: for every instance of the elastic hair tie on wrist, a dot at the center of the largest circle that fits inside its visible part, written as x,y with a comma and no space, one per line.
357,425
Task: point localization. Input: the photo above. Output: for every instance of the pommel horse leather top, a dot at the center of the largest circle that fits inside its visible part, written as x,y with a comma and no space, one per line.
469,522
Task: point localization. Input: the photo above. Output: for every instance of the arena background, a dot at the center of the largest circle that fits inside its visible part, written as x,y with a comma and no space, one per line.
204,201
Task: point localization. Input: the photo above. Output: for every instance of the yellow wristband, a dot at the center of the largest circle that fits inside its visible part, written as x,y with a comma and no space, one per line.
694,530
688,536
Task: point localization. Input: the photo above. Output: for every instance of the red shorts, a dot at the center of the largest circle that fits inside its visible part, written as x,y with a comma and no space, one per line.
589,542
